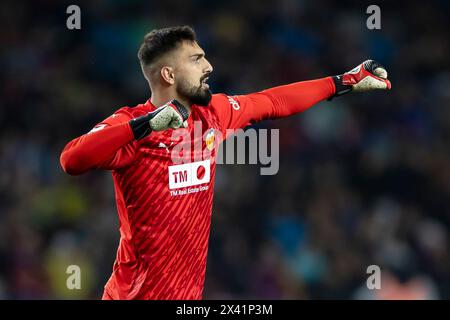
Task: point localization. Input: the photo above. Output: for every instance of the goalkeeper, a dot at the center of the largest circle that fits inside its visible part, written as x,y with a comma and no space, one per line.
165,207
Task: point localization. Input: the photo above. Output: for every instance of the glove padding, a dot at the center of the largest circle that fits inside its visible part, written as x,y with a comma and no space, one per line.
172,115
369,75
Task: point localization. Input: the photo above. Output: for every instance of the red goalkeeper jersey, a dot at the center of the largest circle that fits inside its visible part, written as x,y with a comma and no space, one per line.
164,185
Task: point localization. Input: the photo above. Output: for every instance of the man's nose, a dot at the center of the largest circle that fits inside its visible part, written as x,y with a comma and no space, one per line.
209,67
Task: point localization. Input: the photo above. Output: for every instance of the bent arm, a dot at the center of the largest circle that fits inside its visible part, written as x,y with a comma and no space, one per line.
108,146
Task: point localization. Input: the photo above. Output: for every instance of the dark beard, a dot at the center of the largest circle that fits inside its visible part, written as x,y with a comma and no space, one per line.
196,95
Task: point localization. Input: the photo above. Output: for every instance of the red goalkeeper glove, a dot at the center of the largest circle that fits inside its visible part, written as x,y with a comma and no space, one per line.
369,75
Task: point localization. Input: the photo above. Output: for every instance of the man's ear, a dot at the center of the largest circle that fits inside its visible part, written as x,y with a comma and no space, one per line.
168,75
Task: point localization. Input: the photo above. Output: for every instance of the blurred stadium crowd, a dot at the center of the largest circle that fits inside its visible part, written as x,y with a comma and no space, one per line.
363,180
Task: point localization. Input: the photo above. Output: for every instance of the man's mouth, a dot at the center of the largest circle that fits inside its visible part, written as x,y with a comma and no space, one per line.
203,82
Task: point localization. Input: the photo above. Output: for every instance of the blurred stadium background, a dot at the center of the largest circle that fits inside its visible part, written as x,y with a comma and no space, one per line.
363,180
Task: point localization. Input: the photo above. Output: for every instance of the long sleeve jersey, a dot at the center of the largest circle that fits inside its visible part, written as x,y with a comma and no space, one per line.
164,185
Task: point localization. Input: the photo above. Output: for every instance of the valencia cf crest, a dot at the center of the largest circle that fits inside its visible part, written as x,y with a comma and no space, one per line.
210,139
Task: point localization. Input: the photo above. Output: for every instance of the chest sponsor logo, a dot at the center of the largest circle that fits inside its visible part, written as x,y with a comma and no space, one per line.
189,174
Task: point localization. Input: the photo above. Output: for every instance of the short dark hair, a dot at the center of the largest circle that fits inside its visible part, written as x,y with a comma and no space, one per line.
161,41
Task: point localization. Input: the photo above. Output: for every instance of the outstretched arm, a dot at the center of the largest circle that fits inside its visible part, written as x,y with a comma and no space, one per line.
278,102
